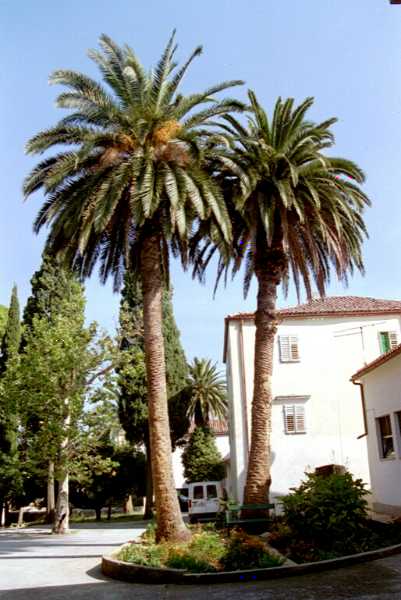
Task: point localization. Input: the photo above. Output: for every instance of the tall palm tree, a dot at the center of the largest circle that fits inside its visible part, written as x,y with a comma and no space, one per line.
207,392
294,211
126,194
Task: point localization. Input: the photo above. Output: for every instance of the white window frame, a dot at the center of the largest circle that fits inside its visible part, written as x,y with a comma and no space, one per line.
294,413
289,348
381,438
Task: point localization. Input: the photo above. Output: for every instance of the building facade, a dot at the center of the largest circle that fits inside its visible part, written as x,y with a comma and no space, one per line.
381,388
317,415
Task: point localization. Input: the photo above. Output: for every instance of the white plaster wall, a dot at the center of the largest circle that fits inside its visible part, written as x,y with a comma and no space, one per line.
331,350
383,397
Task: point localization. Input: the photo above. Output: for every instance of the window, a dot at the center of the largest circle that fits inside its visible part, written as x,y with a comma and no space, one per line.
198,492
211,492
388,340
289,351
386,442
294,418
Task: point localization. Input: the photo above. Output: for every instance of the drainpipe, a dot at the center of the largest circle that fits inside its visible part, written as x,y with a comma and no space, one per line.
365,422
243,384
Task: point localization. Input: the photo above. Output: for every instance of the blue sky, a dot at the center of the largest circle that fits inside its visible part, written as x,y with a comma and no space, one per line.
347,54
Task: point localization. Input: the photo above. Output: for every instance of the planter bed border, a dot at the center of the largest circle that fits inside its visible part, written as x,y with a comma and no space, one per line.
125,571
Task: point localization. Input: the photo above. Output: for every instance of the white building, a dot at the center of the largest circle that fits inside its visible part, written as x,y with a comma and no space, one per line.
317,415
380,383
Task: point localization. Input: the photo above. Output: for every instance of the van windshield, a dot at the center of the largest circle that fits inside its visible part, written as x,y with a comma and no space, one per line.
211,492
198,492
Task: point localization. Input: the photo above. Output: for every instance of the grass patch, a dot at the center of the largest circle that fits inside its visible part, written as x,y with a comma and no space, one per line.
208,551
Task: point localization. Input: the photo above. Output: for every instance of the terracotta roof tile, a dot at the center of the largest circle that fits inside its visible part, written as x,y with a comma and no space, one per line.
334,305
377,362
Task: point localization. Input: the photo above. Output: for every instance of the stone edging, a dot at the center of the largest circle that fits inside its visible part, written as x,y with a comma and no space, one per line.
117,569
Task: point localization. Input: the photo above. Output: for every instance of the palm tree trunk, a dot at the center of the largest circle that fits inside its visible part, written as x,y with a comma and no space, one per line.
269,275
170,524
149,482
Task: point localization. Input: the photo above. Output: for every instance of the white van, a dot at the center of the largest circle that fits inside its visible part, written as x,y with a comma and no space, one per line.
204,499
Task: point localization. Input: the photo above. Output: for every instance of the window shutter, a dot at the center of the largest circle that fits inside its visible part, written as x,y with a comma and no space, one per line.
289,351
289,419
300,418
294,351
294,418
393,338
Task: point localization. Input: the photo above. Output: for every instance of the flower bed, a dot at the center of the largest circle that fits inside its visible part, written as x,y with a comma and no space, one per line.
208,551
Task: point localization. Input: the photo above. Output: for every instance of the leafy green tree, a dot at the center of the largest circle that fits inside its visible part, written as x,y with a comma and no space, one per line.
49,285
296,211
10,477
61,360
133,405
104,488
201,459
3,319
127,192
207,392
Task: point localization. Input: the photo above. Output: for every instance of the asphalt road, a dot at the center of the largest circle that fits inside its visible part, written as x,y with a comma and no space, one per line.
35,565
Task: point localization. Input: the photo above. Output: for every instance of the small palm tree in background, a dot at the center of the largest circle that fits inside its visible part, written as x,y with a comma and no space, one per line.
126,193
294,211
207,392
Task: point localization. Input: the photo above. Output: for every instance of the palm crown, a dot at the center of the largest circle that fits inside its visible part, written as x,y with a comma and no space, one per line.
293,208
207,392
137,163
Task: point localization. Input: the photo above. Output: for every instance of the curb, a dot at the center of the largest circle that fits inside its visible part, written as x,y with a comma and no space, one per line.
117,569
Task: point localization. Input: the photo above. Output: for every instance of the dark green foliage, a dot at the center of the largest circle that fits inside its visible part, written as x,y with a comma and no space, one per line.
12,334
247,552
127,477
47,291
201,458
327,511
10,476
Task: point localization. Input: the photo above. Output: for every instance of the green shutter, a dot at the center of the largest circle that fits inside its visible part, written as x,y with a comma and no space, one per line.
384,342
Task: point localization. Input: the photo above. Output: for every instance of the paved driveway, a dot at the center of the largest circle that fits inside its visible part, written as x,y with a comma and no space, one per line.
34,565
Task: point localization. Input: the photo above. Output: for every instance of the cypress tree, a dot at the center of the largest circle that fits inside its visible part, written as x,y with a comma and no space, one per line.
12,334
10,479
201,459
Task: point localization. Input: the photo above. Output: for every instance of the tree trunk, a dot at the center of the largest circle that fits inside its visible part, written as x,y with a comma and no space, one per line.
98,513
50,493
129,505
109,512
269,272
170,524
61,520
149,483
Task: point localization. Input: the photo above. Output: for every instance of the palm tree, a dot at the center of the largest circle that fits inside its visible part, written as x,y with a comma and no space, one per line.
207,392
126,194
294,210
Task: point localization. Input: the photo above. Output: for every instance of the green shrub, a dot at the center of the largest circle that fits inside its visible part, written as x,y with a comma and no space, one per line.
327,510
201,555
152,555
247,552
